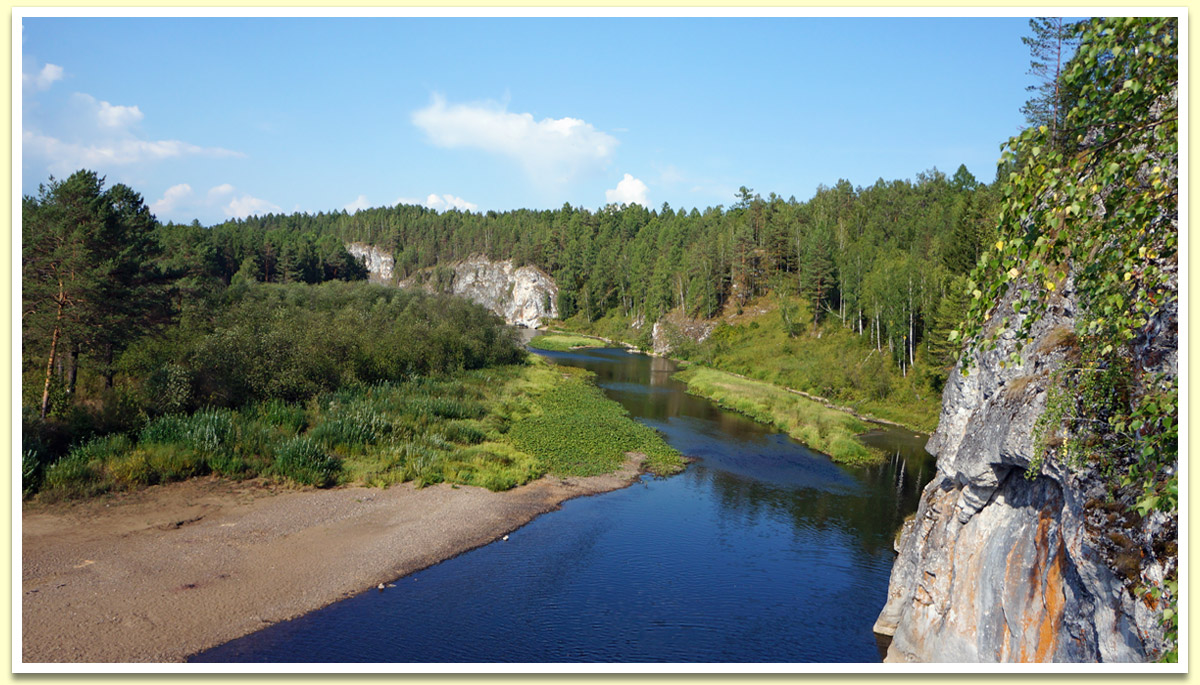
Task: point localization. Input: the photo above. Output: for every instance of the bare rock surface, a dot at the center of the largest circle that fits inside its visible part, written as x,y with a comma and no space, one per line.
521,295
380,263
997,566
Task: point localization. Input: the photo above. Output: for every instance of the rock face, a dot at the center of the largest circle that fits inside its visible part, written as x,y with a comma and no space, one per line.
671,331
380,264
999,567
520,295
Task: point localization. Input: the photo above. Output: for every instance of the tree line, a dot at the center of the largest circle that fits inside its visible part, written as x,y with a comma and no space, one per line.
882,259
124,319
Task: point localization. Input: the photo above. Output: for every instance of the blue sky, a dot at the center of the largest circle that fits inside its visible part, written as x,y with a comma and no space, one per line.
215,118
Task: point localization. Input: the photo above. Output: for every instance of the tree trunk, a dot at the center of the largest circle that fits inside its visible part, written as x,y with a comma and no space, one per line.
910,338
53,352
72,368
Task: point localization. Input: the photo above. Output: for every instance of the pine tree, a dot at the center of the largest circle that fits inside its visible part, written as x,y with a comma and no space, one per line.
1051,45
90,283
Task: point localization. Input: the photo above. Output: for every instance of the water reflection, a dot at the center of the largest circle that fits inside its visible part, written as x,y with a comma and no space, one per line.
753,469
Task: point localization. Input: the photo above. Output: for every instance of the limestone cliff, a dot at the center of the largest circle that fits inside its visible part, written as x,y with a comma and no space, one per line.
380,264
520,295
1000,567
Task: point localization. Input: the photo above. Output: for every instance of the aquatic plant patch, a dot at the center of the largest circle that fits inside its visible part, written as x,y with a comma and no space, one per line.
580,432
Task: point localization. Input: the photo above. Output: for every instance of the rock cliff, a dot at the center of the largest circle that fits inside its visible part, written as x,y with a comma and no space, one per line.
380,264
673,330
520,295
1000,567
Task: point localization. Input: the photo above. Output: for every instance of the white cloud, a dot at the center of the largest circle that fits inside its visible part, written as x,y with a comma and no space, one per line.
439,202
171,199
44,78
217,192
551,150
628,191
444,202
97,135
118,116
108,117
359,203
244,206
63,158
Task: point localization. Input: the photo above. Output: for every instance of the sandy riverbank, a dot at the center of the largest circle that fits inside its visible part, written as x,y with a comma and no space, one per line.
160,574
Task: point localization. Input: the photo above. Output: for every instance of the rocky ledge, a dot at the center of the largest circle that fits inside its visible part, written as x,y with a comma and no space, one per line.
997,566
521,295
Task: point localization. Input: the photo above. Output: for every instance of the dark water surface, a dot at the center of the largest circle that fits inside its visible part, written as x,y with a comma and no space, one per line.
761,551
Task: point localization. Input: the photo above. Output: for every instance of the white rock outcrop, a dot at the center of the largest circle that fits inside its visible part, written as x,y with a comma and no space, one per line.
522,296
380,263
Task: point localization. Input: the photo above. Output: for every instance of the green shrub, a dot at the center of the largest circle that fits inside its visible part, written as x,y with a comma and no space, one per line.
82,472
303,460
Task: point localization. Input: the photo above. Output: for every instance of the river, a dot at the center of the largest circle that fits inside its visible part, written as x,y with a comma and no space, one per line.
761,551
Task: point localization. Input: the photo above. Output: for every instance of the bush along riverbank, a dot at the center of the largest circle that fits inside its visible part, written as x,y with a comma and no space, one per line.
318,385
495,428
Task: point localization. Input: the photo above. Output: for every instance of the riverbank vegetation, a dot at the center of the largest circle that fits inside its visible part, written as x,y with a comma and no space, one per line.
826,430
141,366
830,362
497,428
886,263
575,430
559,342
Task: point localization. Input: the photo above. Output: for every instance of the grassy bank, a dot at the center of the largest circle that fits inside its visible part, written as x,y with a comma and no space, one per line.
495,428
830,361
818,427
560,342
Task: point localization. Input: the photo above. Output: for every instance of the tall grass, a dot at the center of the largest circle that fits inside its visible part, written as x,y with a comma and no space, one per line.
305,461
495,428
818,427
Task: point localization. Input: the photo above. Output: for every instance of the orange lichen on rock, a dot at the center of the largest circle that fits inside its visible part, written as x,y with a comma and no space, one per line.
1053,597
1055,604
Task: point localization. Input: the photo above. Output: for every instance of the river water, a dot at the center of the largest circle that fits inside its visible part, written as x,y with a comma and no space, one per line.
761,551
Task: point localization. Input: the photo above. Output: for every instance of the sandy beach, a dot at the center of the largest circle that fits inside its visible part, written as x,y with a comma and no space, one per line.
163,573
